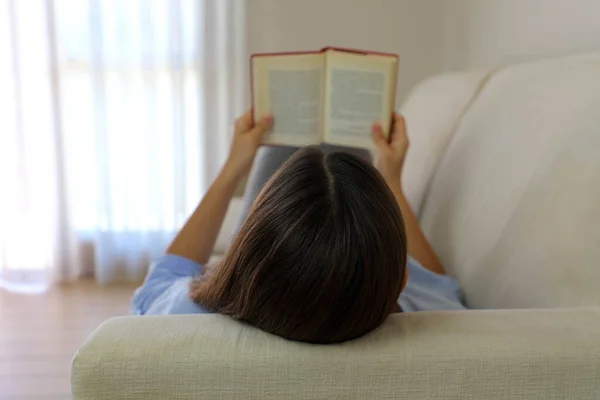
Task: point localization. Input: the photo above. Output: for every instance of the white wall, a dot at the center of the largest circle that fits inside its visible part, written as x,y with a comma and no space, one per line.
411,28
431,36
483,33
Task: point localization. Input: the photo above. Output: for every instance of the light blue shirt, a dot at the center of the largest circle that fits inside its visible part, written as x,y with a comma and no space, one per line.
166,289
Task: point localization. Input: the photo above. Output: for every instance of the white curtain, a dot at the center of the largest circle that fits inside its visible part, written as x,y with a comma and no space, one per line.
114,117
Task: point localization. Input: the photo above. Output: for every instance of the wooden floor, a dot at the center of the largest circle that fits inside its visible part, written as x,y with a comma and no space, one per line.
39,335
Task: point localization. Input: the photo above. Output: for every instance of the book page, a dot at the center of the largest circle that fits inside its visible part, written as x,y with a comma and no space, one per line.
291,88
359,91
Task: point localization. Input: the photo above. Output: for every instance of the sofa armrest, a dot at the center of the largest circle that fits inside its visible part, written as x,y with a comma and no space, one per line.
523,354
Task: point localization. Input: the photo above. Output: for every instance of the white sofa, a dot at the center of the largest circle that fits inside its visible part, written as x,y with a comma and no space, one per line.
504,173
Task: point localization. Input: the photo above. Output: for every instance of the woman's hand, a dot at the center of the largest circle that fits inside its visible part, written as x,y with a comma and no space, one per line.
196,240
247,137
390,160
391,152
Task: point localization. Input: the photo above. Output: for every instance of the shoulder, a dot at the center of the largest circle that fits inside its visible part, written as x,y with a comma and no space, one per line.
166,288
426,290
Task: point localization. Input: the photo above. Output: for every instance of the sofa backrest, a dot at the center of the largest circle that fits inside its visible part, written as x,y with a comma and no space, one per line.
507,182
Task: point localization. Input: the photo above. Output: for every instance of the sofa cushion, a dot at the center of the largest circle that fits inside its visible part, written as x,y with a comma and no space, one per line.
513,206
432,111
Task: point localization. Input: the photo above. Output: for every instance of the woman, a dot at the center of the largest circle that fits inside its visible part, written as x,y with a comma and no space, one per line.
323,255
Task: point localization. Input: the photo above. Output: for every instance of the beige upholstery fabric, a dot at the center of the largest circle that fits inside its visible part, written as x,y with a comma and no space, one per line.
513,207
545,355
432,111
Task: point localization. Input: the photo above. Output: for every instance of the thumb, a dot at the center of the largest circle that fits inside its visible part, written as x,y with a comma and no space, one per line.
244,123
262,126
378,136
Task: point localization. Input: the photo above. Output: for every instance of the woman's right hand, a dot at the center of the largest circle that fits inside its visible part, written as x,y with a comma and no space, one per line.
391,152
247,138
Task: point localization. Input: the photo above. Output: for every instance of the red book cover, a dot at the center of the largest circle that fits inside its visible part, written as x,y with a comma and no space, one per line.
365,52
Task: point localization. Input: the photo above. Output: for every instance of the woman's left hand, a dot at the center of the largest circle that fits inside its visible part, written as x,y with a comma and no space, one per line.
247,137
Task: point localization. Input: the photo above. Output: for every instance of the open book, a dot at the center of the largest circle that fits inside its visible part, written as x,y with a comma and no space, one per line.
329,96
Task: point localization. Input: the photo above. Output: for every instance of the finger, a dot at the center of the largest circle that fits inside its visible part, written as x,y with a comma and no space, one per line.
393,123
245,122
398,130
399,123
262,126
378,136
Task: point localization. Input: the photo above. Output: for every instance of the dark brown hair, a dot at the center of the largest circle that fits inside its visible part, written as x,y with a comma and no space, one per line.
321,256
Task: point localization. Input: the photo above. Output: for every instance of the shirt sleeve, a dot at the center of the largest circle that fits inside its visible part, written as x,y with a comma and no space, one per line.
166,287
428,291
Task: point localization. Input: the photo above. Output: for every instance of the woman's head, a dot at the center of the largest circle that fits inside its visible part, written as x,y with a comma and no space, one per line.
321,256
